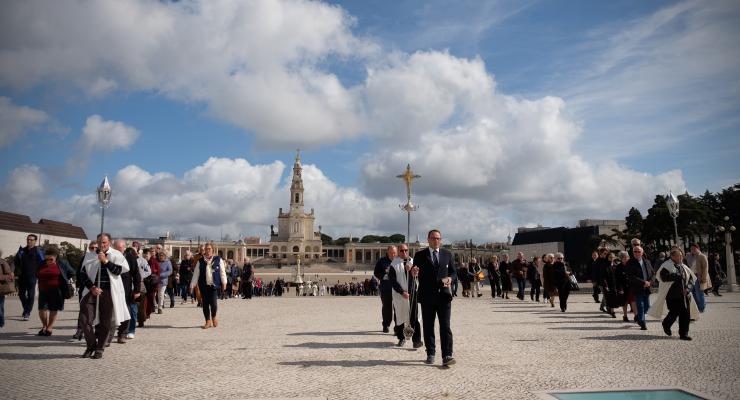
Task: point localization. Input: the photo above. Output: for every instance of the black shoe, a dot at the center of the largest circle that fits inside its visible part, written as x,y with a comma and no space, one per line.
418,345
717,294
562,310
385,329
401,342
98,355
602,309
596,300
447,361
430,359
42,332
613,314
625,319
47,333
667,330
88,353
140,324
77,335
685,338
643,327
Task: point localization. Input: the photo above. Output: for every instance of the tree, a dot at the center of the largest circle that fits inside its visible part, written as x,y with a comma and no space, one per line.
326,239
634,222
341,241
72,254
397,238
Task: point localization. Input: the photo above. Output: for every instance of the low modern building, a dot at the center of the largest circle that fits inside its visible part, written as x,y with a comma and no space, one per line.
14,228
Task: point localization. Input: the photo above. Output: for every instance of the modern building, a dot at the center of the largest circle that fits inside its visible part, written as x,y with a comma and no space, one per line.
14,228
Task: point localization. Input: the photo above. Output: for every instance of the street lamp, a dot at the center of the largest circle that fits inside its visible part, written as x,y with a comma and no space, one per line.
104,196
728,228
672,202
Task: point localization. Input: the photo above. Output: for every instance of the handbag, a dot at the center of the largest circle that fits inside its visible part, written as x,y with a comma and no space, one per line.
573,283
7,287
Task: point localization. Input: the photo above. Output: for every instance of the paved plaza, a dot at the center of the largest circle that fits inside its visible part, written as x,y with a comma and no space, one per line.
330,347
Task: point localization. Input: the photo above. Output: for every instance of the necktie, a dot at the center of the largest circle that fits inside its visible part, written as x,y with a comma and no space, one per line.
644,272
435,260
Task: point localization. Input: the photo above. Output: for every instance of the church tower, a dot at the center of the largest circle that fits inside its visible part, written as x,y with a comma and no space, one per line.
296,186
295,237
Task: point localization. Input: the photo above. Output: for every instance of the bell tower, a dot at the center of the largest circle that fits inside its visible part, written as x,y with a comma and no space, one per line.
296,186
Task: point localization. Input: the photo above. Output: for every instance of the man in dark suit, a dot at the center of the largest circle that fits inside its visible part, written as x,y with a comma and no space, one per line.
640,274
436,272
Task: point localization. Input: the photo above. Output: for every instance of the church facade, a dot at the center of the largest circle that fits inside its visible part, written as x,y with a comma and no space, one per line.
296,237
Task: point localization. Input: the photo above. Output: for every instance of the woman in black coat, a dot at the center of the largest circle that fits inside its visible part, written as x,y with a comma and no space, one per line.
614,283
548,279
505,270
561,280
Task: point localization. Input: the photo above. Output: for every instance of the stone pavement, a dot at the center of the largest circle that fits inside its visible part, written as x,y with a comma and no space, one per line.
331,347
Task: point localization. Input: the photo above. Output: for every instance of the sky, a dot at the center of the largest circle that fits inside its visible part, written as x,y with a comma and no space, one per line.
514,113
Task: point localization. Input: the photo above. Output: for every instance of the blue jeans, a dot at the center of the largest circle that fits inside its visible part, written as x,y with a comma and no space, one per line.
643,305
184,289
520,282
701,303
2,311
27,295
133,309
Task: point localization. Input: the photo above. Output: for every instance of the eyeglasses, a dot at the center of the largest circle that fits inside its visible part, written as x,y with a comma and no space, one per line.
435,238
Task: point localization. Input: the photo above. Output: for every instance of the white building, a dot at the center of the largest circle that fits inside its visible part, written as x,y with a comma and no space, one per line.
14,228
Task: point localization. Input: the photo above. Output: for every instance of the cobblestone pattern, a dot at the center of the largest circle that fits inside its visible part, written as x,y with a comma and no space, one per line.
331,347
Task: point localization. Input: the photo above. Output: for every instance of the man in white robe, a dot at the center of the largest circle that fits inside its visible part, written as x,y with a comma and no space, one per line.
405,301
103,301
676,283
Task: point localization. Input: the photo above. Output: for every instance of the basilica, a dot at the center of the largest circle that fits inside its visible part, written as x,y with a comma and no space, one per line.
296,237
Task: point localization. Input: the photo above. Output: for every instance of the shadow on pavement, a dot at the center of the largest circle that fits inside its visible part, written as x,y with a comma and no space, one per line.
359,345
594,328
350,363
336,333
629,337
17,356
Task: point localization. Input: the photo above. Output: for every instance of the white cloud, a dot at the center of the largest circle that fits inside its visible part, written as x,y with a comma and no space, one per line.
487,158
257,65
16,121
25,187
471,143
234,196
107,135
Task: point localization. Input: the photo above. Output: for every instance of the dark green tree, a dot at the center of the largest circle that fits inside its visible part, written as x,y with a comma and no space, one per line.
397,238
326,239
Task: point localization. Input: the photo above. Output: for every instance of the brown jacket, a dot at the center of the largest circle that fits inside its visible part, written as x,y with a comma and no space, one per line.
6,275
700,267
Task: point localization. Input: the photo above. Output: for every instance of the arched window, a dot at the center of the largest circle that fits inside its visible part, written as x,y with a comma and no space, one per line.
296,227
296,249
274,249
315,249
308,249
283,249
297,198
230,254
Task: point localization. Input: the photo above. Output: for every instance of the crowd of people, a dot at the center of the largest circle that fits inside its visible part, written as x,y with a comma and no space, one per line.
622,282
119,286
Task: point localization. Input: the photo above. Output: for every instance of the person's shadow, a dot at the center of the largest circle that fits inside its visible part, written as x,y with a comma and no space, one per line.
350,363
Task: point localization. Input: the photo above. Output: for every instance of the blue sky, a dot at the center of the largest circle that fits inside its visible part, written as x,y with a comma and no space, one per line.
509,109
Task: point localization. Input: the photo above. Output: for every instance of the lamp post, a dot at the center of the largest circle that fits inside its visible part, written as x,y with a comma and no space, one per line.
728,228
408,177
104,196
671,202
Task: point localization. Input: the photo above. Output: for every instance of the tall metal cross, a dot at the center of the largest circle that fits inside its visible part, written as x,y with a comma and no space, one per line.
408,177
